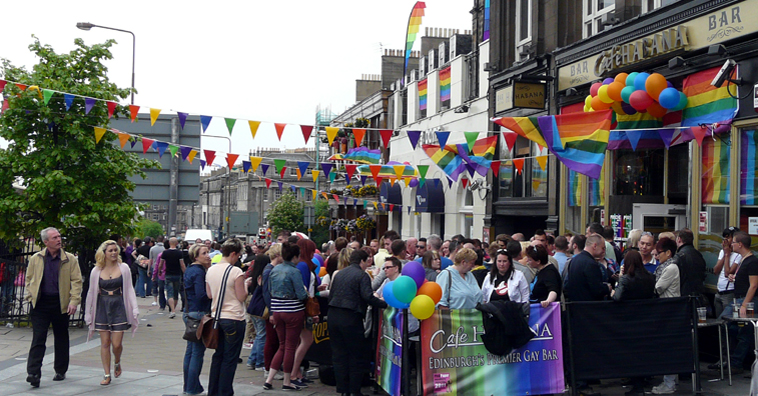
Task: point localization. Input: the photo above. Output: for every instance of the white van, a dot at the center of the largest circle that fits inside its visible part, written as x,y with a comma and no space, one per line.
192,234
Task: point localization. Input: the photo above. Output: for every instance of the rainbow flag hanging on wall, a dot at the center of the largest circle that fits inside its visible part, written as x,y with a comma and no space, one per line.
414,21
748,168
445,84
578,140
596,189
422,94
707,104
486,33
574,188
715,177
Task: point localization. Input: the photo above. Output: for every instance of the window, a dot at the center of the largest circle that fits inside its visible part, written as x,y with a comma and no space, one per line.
523,28
637,173
264,192
277,194
650,5
531,180
594,10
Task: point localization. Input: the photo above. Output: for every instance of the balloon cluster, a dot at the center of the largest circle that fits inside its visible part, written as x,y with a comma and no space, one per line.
411,289
635,92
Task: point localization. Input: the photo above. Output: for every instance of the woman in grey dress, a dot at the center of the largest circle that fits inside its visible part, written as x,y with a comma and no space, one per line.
111,305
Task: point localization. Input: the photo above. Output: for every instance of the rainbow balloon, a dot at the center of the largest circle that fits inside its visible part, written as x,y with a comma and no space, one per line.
413,24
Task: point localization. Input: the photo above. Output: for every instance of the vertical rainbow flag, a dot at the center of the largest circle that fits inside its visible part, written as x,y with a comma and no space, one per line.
414,21
748,167
389,351
574,188
422,94
596,189
715,176
707,104
445,84
486,33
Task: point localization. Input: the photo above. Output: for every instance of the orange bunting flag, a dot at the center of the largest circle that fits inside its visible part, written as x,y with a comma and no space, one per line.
279,130
518,163
392,181
191,156
254,127
99,132
326,197
146,143
315,175
299,174
111,108
375,170
209,156
254,162
331,133
268,183
542,160
358,133
399,170
123,138
281,174
154,113
133,110
231,159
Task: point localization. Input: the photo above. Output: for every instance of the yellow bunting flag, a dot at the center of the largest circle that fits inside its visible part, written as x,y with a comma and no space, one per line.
191,156
154,113
542,160
331,133
99,132
374,205
254,162
315,175
407,181
399,170
315,194
123,138
254,127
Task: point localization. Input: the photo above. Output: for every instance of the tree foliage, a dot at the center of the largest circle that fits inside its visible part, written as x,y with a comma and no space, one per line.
286,213
147,227
320,233
72,183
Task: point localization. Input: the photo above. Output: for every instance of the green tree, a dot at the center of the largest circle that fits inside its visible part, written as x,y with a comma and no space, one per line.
71,182
147,227
286,213
320,234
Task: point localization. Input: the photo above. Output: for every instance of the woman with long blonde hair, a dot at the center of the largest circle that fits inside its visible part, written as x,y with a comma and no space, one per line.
111,306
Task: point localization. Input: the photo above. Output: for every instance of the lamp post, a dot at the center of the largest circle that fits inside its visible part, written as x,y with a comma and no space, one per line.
87,26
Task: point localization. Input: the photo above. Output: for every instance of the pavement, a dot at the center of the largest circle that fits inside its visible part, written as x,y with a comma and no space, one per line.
152,365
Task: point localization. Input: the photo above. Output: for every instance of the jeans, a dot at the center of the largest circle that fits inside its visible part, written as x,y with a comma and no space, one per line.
224,361
288,326
193,361
172,286
350,350
256,354
720,301
47,311
743,335
144,283
159,287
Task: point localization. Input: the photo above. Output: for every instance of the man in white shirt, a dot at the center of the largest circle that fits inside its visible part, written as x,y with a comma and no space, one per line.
726,265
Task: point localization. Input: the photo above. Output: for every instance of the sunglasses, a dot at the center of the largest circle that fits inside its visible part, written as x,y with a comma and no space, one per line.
386,267
502,251
420,246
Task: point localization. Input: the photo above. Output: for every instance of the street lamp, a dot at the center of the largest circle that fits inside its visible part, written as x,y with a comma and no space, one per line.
87,26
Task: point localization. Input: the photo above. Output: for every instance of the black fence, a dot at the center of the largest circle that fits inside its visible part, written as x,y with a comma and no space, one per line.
13,265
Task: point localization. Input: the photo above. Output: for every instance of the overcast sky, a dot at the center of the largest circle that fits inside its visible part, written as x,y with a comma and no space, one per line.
270,61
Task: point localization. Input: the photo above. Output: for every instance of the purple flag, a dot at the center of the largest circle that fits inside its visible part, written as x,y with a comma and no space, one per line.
185,151
414,136
265,168
280,186
205,121
182,118
327,168
202,164
363,180
89,103
666,136
634,138
246,166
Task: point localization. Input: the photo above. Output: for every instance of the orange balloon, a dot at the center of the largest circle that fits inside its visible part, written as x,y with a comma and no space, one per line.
621,78
614,91
431,289
598,104
655,84
656,110
322,273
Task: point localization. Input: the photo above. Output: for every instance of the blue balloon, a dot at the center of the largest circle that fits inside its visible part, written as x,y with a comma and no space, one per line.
669,98
626,92
639,81
630,79
390,299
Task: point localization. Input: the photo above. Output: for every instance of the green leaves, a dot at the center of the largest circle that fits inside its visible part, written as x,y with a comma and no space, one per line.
286,213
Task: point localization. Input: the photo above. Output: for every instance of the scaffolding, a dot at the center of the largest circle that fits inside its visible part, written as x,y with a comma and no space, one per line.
324,116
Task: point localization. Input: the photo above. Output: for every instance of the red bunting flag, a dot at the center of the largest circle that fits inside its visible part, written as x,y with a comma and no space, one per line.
2,85
231,159
146,143
495,166
518,163
392,207
510,139
699,133
209,156
350,168
111,108
21,86
336,198
358,133
379,181
133,111
464,182
307,129
279,130
281,174
6,106
268,183
386,135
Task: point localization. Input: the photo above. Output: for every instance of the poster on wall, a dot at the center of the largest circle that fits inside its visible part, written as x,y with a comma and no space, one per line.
389,351
455,361
752,225
703,224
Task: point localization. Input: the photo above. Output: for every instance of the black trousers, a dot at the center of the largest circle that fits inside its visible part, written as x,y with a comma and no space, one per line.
48,311
350,349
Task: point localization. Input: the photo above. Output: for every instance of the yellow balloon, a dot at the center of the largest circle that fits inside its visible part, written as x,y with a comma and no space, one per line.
422,307
588,101
602,93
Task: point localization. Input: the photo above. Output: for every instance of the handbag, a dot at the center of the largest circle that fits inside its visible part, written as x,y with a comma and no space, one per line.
311,307
190,330
208,330
257,305
143,261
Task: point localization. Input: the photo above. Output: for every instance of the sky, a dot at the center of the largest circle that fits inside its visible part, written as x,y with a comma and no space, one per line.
269,61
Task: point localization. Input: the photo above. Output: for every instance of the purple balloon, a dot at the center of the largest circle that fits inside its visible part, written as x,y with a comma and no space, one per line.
415,271
628,109
607,81
669,84
413,183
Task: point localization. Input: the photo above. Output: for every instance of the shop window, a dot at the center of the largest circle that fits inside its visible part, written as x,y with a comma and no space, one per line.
531,181
468,225
638,172
650,5
677,188
523,28
715,170
748,184
593,15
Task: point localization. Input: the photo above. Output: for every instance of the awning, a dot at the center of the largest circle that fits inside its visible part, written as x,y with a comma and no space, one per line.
389,194
430,198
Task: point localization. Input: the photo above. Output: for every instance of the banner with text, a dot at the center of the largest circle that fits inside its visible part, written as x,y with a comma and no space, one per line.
455,361
389,351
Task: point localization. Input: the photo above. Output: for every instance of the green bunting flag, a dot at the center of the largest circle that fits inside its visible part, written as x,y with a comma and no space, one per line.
173,149
471,139
47,94
230,124
279,163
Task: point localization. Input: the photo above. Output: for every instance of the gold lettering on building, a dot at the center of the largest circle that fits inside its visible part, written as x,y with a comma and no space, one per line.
645,48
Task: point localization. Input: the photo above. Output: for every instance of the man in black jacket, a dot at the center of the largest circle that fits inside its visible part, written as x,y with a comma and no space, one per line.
349,296
691,264
584,281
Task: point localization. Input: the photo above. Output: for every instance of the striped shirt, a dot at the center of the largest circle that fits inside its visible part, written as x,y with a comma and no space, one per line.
282,305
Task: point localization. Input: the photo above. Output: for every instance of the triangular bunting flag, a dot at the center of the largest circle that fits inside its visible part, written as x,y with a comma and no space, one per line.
325,196
375,170
518,163
365,203
191,155
392,207
293,188
21,86
2,85
336,198
315,194
99,132
209,156
495,166
442,137
133,110
123,138
279,130
231,159
542,160
464,182
355,202
230,124
407,181
111,108
264,168
363,180
254,127
378,181
345,199
315,173
69,99
162,146
185,152
279,164
392,181
245,166
46,94
332,176
154,113
205,121
413,136
350,169
699,133
398,170
510,139
299,174
268,183
471,139
422,169
173,149
409,209
281,173
303,167
359,134
89,103
146,143
327,168
421,182
386,134
634,138
306,129
202,164
254,162
182,118
280,186
666,135
331,133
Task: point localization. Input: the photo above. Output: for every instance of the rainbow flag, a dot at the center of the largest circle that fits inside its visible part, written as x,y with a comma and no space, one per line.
574,188
389,351
707,104
596,189
715,176
361,155
414,21
479,157
486,33
422,94
446,158
527,127
445,84
748,168
630,139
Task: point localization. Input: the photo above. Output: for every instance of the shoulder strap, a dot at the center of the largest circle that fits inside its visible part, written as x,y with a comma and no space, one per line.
221,294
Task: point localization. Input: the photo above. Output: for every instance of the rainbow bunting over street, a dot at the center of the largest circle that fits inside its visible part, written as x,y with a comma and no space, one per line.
414,22
447,159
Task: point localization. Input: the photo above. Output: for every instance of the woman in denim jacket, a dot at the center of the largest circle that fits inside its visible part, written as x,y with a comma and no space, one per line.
198,304
288,295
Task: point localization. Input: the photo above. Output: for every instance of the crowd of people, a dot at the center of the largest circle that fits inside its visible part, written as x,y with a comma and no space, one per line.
229,280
